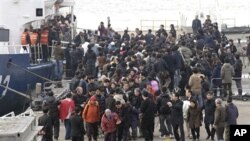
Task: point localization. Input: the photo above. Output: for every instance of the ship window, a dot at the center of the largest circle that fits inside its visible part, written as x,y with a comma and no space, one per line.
39,12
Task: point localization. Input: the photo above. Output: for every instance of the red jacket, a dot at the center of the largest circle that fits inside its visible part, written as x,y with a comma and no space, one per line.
109,126
67,107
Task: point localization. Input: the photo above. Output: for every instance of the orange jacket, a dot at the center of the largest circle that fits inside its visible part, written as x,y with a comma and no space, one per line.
44,37
33,38
23,38
91,112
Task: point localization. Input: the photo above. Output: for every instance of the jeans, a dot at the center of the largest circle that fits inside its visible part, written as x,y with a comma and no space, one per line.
239,86
227,87
165,119
176,133
67,125
59,69
199,99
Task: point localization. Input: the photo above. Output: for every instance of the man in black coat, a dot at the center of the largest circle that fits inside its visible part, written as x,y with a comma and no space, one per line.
196,25
164,113
51,103
77,125
89,60
160,65
123,111
46,122
209,108
177,117
238,73
147,117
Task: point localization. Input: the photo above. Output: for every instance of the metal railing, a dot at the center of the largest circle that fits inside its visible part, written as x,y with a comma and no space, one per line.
154,25
244,82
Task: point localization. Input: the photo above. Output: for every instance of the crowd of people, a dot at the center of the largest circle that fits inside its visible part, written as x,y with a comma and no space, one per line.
121,83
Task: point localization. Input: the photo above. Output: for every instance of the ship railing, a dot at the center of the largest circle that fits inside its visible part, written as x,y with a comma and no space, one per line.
154,25
14,49
11,114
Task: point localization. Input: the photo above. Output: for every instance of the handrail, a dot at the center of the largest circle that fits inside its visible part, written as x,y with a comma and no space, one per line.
154,27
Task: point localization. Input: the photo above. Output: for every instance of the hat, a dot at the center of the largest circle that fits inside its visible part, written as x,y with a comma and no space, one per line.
92,98
112,43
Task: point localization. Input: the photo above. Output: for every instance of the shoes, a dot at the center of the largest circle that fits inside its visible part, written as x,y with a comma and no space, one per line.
208,137
171,136
163,137
190,136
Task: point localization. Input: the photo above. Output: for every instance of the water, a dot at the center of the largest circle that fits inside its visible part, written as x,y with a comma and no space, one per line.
129,13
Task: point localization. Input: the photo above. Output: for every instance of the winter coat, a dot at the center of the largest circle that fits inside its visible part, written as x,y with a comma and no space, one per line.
110,103
227,73
194,117
220,117
67,106
109,125
171,62
209,108
186,105
58,53
195,83
135,102
238,68
232,114
147,112
101,101
160,66
124,115
91,112
52,103
149,38
177,112
196,25
161,104
216,76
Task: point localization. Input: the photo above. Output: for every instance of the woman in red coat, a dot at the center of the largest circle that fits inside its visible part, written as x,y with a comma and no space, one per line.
109,123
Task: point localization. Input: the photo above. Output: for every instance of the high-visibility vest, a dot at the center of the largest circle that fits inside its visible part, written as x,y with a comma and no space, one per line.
33,38
44,37
23,38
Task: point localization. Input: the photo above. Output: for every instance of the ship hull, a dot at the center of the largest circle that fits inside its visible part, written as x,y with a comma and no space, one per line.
17,75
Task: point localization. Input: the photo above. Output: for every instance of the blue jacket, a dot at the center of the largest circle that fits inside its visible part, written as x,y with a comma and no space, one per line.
231,114
216,74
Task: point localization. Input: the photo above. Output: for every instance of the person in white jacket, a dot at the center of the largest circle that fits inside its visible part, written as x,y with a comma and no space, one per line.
186,104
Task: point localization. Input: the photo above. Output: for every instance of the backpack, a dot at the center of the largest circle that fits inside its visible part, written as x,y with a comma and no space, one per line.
164,108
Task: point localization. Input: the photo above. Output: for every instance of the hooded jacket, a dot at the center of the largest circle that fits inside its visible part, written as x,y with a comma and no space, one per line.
227,73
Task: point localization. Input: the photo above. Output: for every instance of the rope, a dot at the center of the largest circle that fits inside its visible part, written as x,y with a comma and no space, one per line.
44,78
15,91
